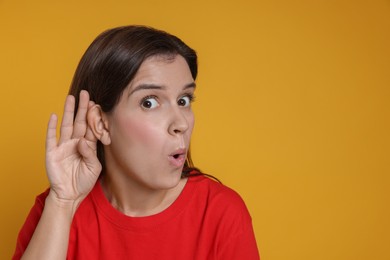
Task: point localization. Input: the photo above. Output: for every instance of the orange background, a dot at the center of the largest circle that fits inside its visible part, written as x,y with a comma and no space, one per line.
293,110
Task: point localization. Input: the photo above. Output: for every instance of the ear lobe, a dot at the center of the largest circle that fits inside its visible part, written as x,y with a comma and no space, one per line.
98,123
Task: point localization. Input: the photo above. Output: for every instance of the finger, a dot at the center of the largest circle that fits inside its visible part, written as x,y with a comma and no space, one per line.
51,134
66,129
90,104
80,123
89,135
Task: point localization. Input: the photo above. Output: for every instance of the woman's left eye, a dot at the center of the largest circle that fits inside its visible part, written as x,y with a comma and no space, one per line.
185,101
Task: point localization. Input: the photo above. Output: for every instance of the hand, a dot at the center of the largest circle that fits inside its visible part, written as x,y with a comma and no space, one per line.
71,162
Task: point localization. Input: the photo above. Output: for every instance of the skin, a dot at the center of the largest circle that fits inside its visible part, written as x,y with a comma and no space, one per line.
152,121
140,136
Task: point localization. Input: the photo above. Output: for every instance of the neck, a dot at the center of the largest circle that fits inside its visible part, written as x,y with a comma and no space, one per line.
134,199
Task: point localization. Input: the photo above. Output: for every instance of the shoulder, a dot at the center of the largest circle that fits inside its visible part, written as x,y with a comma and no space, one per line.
221,198
216,190
226,216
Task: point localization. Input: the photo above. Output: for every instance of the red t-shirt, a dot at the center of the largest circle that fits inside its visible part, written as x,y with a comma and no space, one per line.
207,221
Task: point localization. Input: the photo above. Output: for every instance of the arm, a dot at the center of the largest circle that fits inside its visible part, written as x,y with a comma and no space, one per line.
73,169
50,238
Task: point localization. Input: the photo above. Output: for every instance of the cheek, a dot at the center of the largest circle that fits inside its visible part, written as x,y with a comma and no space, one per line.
191,123
139,131
191,120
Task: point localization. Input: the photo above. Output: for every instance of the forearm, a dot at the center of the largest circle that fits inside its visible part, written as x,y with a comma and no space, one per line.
51,236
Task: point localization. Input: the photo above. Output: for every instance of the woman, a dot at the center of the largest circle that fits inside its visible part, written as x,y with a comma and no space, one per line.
122,184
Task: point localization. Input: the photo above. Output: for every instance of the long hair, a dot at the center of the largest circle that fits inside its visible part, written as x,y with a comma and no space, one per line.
113,59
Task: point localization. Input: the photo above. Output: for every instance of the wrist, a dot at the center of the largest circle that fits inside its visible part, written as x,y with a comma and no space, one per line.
65,206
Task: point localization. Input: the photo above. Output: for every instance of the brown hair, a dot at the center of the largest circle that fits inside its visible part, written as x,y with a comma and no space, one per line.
114,57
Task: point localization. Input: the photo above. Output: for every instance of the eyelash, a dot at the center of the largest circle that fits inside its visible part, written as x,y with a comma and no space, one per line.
145,99
190,96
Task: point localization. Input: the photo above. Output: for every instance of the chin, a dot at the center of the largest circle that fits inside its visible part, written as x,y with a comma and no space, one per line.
172,181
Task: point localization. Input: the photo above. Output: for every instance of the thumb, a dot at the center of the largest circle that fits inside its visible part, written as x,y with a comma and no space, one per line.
89,156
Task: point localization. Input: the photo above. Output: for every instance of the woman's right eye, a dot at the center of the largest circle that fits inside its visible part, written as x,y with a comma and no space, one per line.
149,102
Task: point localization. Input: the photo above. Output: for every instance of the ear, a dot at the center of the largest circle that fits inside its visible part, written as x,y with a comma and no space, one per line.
98,123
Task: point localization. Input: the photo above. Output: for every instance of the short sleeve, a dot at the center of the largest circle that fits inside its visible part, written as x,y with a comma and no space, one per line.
241,246
29,225
236,236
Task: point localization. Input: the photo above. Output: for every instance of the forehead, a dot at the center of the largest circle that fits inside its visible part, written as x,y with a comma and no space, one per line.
163,69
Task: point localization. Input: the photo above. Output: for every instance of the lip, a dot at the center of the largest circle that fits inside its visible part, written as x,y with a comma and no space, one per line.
178,158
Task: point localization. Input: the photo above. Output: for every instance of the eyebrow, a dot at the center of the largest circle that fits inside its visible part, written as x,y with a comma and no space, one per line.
154,86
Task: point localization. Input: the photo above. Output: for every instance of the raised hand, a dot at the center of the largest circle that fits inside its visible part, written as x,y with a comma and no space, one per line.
71,162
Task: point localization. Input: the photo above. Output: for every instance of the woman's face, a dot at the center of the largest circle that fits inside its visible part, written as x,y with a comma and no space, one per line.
151,126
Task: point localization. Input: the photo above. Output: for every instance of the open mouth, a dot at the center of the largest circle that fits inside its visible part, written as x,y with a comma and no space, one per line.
177,159
178,156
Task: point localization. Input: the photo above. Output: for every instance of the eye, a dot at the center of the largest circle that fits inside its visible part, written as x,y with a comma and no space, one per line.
185,101
149,102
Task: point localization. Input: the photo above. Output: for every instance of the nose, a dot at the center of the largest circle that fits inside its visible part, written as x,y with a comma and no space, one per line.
178,123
